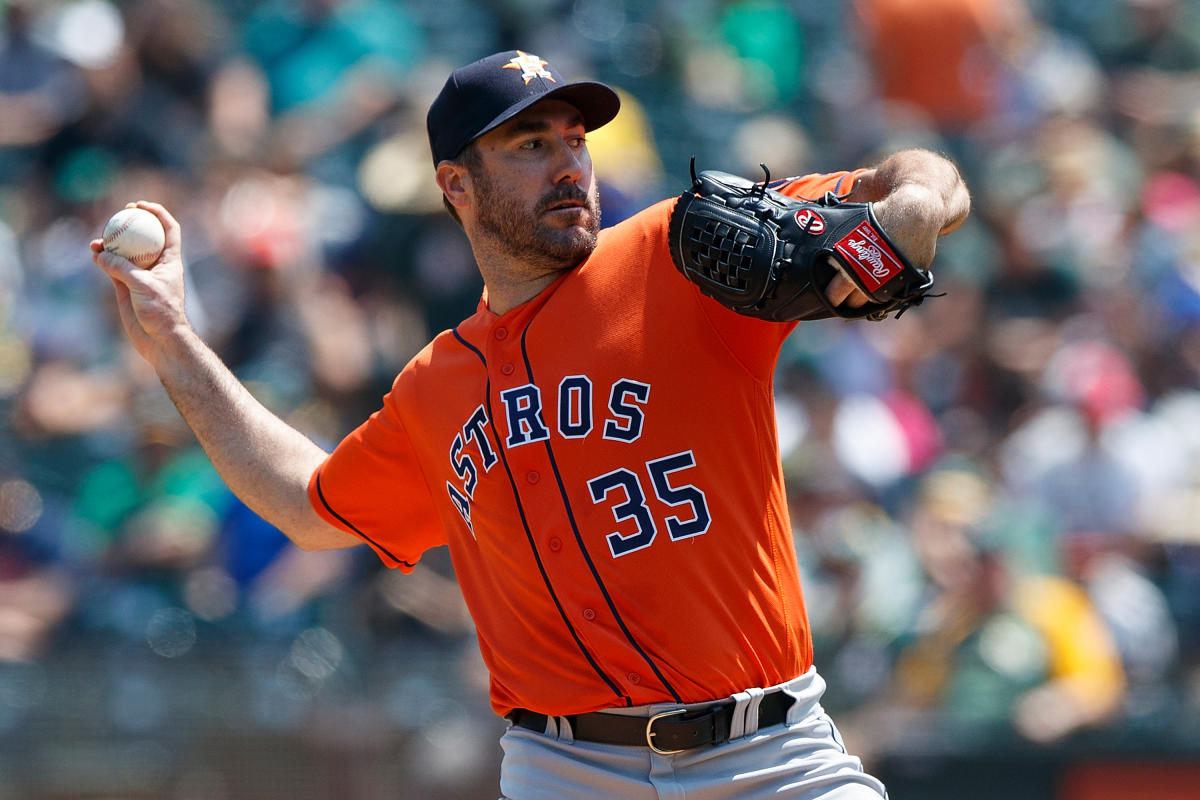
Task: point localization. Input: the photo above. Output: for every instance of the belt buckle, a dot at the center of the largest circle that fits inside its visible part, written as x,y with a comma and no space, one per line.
650,731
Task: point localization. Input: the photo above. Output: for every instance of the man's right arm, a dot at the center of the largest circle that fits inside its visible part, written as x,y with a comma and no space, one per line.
264,461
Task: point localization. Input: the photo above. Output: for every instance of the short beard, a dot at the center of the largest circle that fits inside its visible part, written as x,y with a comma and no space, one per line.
520,232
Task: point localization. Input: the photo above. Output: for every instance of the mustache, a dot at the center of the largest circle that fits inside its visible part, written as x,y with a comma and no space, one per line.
567,193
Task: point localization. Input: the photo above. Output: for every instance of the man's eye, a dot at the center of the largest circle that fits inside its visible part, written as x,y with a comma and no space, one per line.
532,144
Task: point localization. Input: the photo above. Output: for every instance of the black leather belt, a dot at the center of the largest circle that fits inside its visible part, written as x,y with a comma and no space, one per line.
668,732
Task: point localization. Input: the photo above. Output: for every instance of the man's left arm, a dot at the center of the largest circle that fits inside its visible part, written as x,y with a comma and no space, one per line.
918,196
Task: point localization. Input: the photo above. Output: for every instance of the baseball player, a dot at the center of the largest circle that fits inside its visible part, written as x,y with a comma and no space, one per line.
596,444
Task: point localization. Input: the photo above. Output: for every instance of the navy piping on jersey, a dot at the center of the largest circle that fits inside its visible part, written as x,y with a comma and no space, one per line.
587,556
529,534
351,526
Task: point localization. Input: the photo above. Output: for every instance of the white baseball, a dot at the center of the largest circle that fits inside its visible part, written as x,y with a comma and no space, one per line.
135,234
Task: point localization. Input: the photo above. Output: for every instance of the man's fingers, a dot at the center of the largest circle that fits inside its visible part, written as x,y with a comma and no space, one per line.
116,267
843,290
169,223
838,289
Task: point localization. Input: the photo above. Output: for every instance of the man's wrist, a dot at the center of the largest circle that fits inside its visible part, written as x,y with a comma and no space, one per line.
180,345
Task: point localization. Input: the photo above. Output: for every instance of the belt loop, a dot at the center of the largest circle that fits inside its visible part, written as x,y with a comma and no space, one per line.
752,705
566,731
737,715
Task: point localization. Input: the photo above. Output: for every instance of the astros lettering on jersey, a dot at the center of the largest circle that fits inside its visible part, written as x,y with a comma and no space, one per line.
602,462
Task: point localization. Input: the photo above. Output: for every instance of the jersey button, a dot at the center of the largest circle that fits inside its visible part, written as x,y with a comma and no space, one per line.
589,614
634,678
533,476
555,544
507,369
501,333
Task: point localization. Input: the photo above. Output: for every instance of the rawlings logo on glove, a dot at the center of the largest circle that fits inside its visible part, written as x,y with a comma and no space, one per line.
767,255
883,261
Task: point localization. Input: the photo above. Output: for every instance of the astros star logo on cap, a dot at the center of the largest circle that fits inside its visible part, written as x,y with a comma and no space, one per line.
530,65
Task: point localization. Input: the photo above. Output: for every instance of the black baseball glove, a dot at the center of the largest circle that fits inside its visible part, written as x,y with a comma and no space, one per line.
764,254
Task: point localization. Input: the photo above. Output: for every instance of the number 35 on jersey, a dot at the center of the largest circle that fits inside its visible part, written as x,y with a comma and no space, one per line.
683,507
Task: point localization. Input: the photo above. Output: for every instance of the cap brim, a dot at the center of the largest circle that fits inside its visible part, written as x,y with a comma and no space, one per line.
597,102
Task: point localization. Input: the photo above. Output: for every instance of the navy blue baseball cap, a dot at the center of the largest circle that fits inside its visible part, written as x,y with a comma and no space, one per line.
492,90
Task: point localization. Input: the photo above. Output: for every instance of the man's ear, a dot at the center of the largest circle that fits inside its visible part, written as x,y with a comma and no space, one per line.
455,182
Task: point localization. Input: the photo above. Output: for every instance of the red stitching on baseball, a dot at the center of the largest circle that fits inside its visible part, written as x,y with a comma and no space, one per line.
116,234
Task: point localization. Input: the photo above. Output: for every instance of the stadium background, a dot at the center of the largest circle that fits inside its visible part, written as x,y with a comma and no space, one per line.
996,497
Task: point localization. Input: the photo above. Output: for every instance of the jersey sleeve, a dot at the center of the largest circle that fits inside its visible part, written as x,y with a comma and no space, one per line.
814,186
373,487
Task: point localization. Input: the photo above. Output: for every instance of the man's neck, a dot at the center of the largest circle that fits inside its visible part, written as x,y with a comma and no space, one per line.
511,281
504,295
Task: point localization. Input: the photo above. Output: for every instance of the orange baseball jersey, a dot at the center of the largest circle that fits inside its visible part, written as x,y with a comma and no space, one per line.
602,462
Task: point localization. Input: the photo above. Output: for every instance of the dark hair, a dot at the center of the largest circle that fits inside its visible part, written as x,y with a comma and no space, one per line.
469,158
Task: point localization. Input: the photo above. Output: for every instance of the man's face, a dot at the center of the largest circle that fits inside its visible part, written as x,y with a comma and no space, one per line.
534,193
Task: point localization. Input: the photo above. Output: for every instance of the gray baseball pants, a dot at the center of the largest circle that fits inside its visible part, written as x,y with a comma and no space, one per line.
802,759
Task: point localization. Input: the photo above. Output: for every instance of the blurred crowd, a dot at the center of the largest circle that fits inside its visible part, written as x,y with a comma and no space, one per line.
996,497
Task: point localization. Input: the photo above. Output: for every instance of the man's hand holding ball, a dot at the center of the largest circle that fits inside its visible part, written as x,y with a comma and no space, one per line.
140,251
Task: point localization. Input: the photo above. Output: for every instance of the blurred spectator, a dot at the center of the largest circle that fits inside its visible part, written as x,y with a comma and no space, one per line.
994,643
1154,60
943,57
332,67
39,91
35,593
